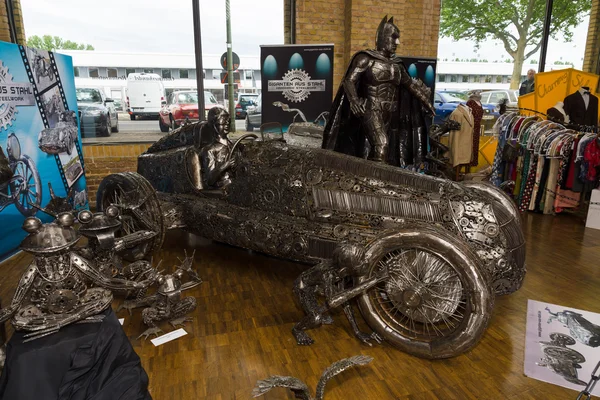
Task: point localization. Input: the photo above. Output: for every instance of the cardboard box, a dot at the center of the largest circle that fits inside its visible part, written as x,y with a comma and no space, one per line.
593,216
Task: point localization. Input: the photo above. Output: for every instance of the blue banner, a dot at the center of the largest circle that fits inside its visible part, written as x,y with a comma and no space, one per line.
40,140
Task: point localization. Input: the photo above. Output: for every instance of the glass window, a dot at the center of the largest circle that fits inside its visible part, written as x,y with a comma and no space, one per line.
166,74
183,74
498,78
88,95
94,72
187,98
442,78
488,79
465,78
248,74
437,98
76,71
112,72
453,78
216,74
129,71
508,79
495,97
148,70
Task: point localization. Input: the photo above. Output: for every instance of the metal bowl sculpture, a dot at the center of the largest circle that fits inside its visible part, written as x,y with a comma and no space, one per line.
443,248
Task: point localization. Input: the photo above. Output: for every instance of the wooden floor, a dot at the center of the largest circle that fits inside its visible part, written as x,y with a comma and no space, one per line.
241,331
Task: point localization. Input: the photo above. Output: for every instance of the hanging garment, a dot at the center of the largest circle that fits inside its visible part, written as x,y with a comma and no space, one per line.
551,186
477,111
578,111
592,157
461,141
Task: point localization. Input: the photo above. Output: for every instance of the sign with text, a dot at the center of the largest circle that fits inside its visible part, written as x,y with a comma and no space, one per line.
40,142
297,84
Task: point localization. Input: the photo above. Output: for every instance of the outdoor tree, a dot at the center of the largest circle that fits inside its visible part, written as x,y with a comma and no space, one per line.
52,43
518,24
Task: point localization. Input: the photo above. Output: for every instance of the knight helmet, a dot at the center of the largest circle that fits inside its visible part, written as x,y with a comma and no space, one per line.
386,28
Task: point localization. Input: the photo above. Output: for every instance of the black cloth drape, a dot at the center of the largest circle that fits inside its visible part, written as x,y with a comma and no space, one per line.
81,361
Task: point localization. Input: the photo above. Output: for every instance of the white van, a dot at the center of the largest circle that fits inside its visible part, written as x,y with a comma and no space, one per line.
145,93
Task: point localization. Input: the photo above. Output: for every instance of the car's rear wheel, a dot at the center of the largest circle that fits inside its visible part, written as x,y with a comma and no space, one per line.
115,128
132,117
437,300
163,127
249,126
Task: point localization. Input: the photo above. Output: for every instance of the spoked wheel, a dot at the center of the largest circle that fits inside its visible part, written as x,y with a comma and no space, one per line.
564,354
437,300
139,207
26,187
560,339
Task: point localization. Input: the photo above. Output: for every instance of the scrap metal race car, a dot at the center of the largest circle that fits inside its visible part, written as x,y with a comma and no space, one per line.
448,247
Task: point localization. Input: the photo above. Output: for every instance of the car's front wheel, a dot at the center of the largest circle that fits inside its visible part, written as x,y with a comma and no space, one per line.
163,127
106,130
249,126
173,123
437,300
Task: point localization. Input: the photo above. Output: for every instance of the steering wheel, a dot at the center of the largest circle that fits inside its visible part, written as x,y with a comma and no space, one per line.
243,137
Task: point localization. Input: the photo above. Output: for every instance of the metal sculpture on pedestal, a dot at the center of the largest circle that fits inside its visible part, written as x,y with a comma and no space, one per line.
53,291
300,389
377,112
167,304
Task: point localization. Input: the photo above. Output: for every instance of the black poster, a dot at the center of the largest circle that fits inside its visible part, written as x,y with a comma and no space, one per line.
297,83
423,68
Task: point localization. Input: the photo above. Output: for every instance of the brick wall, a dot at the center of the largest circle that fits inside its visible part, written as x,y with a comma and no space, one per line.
592,47
18,17
351,26
103,160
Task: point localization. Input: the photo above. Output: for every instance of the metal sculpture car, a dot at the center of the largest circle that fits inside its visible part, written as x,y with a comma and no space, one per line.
447,247
62,137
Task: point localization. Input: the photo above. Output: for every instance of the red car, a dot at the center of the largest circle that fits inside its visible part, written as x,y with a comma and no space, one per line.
179,108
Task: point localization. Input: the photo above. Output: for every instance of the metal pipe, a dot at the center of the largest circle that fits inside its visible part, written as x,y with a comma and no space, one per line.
292,21
11,21
546,35
198,56
230,80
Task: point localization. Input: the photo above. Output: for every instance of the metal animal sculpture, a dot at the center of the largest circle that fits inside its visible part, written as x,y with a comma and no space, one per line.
300,389
167,304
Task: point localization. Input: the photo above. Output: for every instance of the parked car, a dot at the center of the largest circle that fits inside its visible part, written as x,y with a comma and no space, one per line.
254,114
442,248
145,94
494,97
243,101
97,113
444,105
182,107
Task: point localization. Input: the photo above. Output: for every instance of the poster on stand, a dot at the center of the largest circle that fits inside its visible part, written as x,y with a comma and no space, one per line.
40,141
297,85
423,68
561,345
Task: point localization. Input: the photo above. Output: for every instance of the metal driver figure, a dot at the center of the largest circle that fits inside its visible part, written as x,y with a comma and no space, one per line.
327,278
167,303
53,293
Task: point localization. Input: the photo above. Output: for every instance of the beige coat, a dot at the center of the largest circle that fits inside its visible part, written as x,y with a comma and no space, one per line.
461,141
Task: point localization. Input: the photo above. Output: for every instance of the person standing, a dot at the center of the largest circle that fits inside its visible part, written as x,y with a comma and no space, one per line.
528,85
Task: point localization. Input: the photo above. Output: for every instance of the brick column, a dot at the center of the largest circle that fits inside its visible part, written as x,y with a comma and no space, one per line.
592,47
351,26
18,18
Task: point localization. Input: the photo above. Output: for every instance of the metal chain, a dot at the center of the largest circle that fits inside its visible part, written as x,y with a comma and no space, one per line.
586,393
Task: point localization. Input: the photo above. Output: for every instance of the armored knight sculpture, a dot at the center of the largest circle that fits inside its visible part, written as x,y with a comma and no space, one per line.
216,157
327,278
378,101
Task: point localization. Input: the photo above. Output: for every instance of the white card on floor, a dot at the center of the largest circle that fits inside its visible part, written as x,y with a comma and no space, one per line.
168,337
121,321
